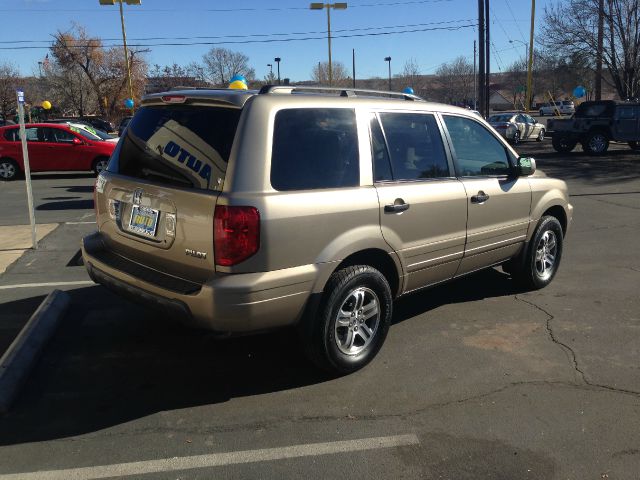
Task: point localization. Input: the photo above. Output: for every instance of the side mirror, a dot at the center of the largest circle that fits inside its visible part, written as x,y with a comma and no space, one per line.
77,141
525,166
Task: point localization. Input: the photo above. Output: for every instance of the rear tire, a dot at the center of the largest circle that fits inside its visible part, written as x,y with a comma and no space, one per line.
100,164
542,257
540,135
9,169
541,113
563,144
516,138
352,321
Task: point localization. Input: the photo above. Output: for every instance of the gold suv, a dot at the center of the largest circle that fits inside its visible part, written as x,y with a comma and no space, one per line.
244,211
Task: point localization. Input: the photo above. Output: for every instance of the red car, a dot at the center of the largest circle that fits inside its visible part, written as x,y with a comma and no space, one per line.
52,147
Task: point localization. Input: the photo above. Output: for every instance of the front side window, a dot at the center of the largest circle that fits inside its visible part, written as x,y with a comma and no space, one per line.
315,148
60,136
477,151
415,146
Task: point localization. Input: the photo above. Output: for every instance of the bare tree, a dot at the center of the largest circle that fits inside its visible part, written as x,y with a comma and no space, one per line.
220,64
412,77
456,81
571,28
76,53
339,75
8,82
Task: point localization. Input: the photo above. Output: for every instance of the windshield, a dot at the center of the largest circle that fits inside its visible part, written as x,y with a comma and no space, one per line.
180,145
85,133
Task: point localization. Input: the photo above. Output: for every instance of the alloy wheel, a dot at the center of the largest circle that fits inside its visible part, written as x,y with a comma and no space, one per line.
546,254
357,321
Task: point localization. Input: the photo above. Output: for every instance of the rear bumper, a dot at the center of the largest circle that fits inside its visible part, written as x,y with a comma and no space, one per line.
227,303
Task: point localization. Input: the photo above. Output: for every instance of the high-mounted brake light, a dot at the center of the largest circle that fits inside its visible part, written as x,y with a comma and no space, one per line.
174,98
236,234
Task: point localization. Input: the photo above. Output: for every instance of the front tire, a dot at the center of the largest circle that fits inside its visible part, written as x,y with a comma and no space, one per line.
8,169
563,144
516,138
596,143
542,258
352,321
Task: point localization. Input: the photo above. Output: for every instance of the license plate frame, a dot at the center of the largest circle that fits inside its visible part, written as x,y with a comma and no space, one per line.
144,221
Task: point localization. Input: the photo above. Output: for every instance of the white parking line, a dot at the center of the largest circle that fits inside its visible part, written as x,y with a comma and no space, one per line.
46,284
217,459
78,223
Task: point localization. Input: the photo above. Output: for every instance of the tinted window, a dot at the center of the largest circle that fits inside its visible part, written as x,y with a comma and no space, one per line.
315,148
588,109
477,151
180,145
627,112
381,162
415,146
12,135
59,136
500,118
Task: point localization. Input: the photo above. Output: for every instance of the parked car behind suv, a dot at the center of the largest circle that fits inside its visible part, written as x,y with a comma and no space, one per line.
51,147
597,123
517,126
564,107
243,211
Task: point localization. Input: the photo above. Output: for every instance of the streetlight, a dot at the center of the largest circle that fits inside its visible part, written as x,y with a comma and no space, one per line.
329,6
124,38
388,59
277,60
270,65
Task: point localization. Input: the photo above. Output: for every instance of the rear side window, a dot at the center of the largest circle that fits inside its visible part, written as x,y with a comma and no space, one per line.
415,146
181,145
12,135
315,148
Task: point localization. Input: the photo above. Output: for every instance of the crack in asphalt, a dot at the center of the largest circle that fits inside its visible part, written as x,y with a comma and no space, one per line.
572,353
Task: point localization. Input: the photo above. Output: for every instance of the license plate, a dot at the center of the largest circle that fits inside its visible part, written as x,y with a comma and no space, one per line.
143,221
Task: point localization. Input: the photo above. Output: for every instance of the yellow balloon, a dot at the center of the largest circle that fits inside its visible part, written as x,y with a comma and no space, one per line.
46,104
238,85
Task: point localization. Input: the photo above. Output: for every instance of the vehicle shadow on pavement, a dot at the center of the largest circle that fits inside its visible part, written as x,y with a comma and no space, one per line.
67,205
112,362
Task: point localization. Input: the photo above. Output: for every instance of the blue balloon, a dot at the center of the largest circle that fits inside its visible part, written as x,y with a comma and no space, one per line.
128,103
408,90
579,91
238,78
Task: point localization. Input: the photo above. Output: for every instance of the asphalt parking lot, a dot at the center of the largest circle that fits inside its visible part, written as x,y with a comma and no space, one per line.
477,379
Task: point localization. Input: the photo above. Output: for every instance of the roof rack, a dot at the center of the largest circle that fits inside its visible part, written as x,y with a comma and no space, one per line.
343,92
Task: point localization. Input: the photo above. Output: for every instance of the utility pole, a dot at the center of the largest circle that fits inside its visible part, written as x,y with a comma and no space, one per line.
598,79
481,67
353,66
475,81
530,61
487,60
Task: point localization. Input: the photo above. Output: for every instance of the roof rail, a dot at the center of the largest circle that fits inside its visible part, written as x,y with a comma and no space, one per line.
179,87
343,92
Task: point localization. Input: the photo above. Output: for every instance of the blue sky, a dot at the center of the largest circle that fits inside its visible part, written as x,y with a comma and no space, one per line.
422,22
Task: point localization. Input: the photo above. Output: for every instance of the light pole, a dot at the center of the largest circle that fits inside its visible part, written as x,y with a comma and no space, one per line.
329,6
388,59
124,39
277,60
270,65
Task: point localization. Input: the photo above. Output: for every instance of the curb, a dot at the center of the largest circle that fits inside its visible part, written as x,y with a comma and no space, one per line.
23,352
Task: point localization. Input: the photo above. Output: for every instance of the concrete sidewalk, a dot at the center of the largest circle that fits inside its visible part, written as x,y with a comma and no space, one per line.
16,239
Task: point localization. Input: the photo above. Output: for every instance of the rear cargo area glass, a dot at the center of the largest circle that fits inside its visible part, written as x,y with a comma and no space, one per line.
181,145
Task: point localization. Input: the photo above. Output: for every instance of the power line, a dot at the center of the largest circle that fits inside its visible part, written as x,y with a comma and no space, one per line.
323,32
243,42
217,10
514,19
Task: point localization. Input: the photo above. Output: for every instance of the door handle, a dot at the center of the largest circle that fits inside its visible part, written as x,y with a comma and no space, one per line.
481,197
396,208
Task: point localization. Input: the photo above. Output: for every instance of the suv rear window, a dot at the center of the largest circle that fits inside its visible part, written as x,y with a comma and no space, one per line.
315,148
587,110
179,145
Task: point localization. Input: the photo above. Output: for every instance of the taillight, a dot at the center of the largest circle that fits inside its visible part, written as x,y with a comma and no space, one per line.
236,234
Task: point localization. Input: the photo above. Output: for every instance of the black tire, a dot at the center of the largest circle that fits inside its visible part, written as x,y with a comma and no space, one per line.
542,257
634,145
541,135
9,169
516,138
596,143
326,339
541,113
99,164
563,144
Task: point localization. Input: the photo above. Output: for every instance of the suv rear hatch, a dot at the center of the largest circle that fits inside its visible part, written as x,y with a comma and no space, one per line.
155,203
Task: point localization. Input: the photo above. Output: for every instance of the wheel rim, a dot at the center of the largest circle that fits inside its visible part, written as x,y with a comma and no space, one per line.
101,165
597,143
541,136
516,137
546,255
7,170
357,321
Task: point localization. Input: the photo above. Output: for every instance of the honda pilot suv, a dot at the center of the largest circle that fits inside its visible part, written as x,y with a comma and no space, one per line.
243,211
